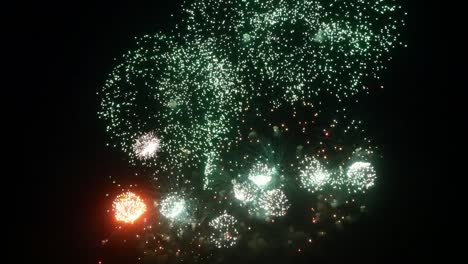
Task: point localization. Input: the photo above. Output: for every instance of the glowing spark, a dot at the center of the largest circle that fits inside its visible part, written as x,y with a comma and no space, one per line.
313,175
173,207
244,192
128,207
225,233
146,146
306,48
272,203
361,175
261,174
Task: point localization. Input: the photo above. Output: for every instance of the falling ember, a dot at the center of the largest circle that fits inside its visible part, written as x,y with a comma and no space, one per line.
128,207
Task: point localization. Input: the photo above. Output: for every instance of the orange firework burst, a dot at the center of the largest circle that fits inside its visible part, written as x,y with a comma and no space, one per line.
128,207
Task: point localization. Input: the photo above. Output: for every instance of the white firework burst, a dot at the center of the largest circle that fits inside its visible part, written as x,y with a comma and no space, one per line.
361,175
225,233
313,175
147,146
174,208
272,203
261,174
244,192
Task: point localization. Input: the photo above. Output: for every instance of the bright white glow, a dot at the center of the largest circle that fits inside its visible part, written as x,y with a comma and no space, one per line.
261,180
225,233
173,207
177,208
272,203
361,175
149,149
146,146
261,174
244,192
313,175
128,207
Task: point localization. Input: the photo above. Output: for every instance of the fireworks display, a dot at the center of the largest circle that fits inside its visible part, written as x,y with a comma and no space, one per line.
244,192
301,49
195,100
361,174
314,175
272,203
225,233
174,208
146,146
261,174
242,108
128,207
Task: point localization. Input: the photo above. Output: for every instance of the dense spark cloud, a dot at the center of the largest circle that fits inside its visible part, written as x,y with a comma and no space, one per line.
210,100
272,203
292,49
336,206
313,175
261,174
174,207
210,168
225,233
244,192
125,105
196,99
146,146
128,207
361,175
301,49
237,94
357,174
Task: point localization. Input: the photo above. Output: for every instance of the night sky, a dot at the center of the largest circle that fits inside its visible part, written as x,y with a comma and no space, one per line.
75,45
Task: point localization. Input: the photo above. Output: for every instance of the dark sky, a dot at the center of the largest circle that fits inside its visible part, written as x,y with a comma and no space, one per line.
74,44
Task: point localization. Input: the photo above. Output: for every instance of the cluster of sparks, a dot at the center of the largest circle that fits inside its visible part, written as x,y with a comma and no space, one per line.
313,176
301,49
128,207
225,233
235,58
147,146
272,203
361,175
235,75
259,188
195,98
261,174
244,191
262,201
173,207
